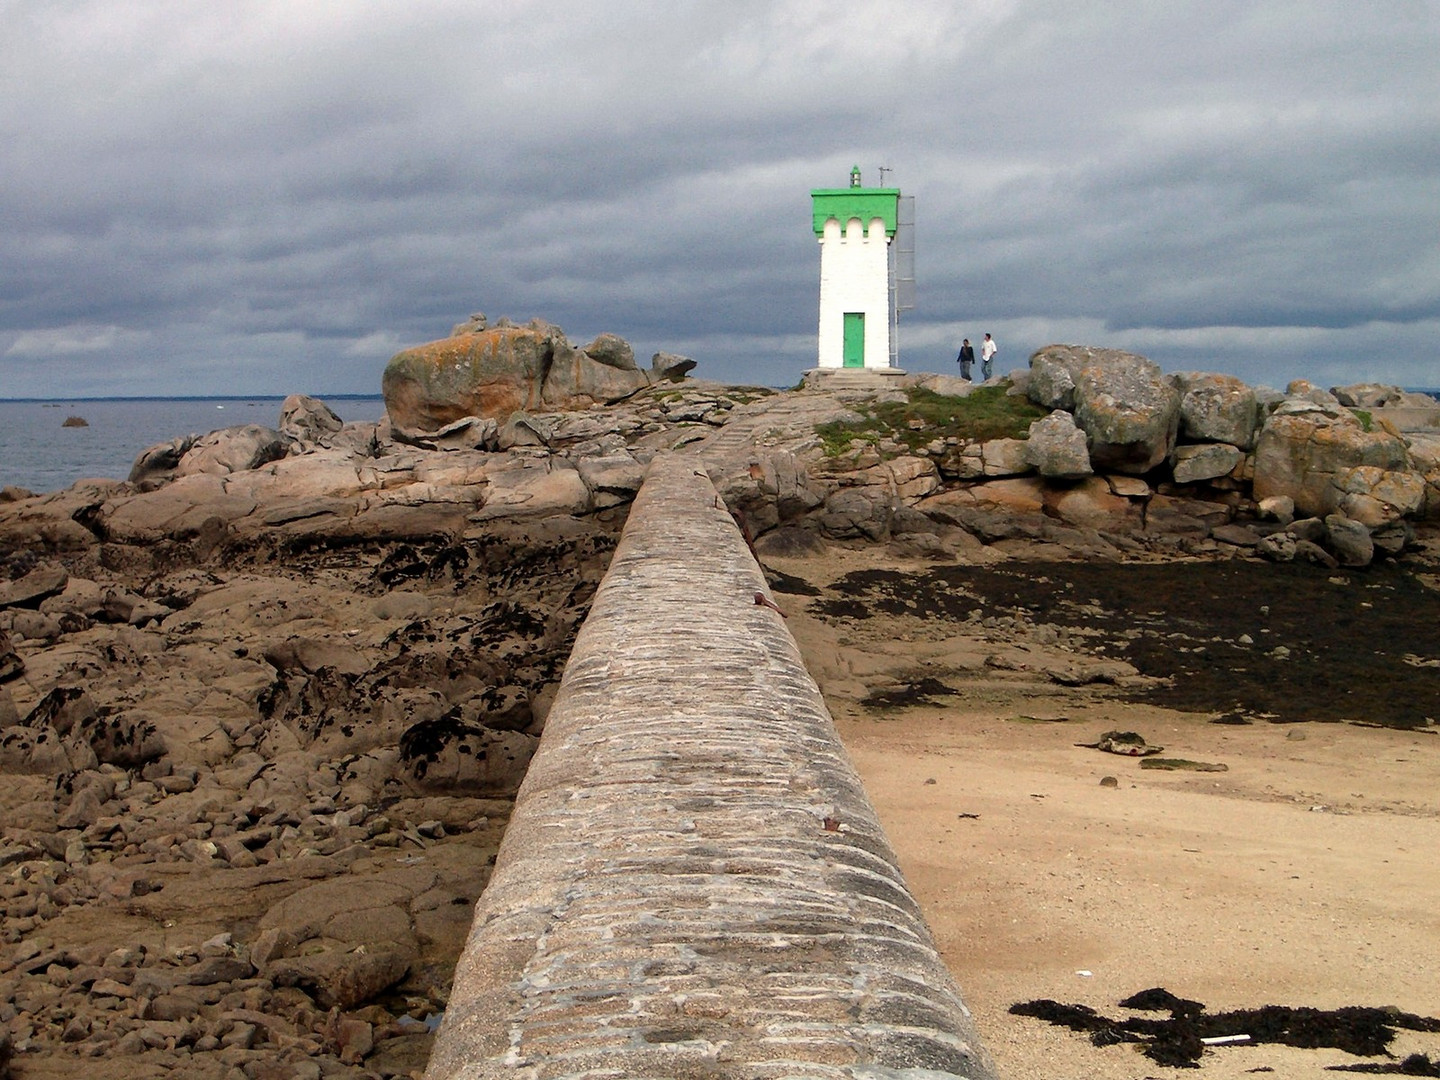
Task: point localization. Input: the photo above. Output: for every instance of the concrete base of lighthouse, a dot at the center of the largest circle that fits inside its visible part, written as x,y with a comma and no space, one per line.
841,378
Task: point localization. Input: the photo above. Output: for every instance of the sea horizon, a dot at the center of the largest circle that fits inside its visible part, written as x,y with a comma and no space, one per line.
185,397
39,453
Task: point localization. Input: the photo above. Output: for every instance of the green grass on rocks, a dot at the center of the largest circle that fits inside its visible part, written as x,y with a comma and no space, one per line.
986,413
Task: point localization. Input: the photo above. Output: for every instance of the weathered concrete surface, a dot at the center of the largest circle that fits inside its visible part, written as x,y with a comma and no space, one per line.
693,883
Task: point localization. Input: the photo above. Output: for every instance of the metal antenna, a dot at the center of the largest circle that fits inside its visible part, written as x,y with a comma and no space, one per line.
883,170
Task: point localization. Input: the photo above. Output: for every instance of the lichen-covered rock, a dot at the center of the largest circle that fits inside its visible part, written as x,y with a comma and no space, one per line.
1305,390
1129,409
1057,448
495,371
1051,384
1004,457
913,477
1204,461
1425,457
1376,497
1218,408
578,378
1304,445
612,351
491,372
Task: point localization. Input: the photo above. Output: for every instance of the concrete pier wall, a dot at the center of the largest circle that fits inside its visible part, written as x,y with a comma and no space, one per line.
693,883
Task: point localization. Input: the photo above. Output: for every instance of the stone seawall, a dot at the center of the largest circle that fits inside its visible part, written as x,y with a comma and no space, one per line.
693,883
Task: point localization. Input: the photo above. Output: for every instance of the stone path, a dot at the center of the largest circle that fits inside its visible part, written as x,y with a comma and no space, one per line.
693,883
770,421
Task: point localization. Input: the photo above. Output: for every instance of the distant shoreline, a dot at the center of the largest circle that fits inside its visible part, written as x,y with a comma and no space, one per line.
194,397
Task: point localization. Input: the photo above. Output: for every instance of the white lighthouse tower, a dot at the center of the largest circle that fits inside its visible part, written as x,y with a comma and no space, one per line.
855,227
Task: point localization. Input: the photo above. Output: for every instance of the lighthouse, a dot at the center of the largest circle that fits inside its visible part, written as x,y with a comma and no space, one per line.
856,226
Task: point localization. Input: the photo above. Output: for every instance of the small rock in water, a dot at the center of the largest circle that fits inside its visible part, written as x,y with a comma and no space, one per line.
75,421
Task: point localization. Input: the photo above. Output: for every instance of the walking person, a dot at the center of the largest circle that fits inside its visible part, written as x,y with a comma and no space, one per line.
966,358
988,349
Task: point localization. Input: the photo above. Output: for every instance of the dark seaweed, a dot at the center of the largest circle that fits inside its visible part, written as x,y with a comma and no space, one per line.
1183,622
1359,1030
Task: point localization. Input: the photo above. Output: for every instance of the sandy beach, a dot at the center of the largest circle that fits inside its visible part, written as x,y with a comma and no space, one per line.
1303,874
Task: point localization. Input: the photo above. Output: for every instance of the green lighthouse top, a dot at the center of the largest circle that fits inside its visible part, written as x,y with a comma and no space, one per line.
855,201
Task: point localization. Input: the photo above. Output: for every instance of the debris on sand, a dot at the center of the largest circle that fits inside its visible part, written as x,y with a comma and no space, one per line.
921,691
1127,743
1183,765
1181,1040
1414,1065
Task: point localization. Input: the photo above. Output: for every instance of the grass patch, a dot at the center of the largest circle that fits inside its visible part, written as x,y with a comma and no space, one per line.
838,437
986,413
1367,421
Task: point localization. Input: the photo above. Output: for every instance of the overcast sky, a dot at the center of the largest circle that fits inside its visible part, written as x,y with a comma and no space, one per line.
274,197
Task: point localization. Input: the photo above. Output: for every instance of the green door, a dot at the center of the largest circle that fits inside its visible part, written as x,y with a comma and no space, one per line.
854,352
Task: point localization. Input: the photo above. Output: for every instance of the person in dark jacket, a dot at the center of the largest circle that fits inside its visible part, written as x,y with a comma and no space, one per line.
966,358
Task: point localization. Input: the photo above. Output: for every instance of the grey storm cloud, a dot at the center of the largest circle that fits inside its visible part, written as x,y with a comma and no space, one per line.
264,197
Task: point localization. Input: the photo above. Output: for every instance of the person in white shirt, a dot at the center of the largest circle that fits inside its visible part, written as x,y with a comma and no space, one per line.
987,356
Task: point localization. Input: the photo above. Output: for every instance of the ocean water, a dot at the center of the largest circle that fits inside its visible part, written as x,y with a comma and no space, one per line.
39,453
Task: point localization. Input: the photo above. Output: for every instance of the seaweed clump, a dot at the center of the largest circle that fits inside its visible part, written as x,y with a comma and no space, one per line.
1179,1041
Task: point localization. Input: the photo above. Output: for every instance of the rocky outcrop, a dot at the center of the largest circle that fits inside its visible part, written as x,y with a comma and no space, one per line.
1130,411
1376,497
1306,445
1127,407
1192,463
494,371
1052,375
1218,409
1332,541
308,420
489,372
215,751
1057,448
233,450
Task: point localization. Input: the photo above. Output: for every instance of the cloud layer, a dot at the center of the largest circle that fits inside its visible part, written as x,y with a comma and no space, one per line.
263,197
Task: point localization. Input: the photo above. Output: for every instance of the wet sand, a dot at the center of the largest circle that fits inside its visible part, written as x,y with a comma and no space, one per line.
1303,874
